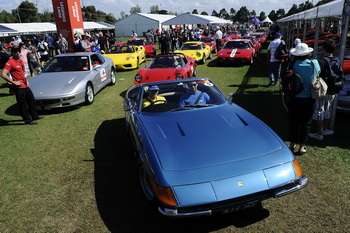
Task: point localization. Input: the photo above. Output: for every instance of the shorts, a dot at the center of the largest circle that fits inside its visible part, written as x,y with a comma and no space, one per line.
45,57
323,108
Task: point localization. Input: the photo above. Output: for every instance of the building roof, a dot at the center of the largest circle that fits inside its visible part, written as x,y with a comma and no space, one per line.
188,18
7,29
158,17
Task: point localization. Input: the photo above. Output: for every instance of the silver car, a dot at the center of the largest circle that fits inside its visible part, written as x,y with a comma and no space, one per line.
72,79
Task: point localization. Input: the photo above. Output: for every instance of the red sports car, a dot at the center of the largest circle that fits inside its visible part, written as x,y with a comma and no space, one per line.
150,48
234,34
240,50
255,41
167,67
119,42
210,41
261,37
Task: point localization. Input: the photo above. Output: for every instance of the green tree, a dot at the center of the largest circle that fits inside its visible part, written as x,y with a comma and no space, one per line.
26,12
204,13
273,15
223,14
6,17
262,16
232,14
242,15
46,16
154,9
89,13
214,13
280,13
195,12
135,9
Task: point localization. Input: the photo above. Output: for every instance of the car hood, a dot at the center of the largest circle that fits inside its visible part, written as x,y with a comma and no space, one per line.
156,74
235,52
55,83
192,139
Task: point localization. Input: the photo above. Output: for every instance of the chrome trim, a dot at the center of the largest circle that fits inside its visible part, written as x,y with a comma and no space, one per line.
303,181
173,213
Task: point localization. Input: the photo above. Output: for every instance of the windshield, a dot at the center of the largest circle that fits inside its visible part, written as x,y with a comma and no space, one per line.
136,42
68,63
167,62
173,96
236,45
191,47
121,49
207,39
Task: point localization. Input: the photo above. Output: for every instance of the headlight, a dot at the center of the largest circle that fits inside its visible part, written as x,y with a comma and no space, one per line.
198,54
68,98
138,78
129,58
164,194
179,76
297,168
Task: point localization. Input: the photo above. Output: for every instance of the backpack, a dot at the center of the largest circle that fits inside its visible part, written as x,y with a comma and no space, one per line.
281,51
334,76
292,84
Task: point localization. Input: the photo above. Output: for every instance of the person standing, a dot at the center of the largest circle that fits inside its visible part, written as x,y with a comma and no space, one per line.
165,43
43,51
218,38
23,57
300,106
24,95
275,64
331,73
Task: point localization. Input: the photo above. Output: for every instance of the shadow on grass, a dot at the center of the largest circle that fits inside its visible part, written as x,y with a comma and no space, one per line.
120,201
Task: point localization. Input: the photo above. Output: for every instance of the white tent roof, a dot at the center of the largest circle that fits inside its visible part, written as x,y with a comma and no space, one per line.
158,17
267,20
331,9
38,28
196,19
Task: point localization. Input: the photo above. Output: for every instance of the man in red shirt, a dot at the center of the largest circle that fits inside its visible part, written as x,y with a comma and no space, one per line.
24,95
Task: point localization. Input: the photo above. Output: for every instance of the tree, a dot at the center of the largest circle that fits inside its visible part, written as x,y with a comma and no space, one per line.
232,14
204,13
26,12
262,16
123,14
135,9
214,13
195,12
89,13
273,16
154,9
47,16
223,14
252,14
280,13
6,17
242,15
163,12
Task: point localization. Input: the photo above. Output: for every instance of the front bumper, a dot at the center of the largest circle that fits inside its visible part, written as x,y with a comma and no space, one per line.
236,203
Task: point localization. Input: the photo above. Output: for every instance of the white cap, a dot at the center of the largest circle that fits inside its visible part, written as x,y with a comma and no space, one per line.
297,41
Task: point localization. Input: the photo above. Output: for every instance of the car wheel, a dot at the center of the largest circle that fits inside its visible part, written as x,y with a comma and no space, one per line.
194,74
89,94
146,188
251,60
113,78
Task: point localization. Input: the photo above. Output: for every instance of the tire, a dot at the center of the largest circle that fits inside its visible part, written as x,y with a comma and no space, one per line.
113,78
89,94
145,187
194,74
204,58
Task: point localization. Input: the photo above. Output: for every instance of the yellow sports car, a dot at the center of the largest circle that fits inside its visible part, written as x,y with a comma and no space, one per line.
126,57
198,50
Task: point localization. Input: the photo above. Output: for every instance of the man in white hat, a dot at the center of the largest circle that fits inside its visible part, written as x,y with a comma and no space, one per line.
275,64
218,38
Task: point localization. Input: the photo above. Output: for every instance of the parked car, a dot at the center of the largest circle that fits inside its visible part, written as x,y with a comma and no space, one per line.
72,79
167,67
256,43
199,51
210,41
234,34
150,49
205,158
260,35
240,50
126,57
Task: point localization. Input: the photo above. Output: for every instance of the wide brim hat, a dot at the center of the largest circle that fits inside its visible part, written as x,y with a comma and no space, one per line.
301,49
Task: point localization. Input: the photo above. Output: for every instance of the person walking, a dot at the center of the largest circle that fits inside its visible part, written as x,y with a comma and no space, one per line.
275,64
218,38
300,106
332,73
24,95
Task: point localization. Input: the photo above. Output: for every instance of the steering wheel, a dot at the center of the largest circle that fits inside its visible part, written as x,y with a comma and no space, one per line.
163,102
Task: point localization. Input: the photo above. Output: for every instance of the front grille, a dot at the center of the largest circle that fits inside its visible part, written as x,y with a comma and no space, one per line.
47,102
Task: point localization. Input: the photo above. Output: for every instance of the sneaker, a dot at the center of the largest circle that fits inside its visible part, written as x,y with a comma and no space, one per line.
327,132
316,136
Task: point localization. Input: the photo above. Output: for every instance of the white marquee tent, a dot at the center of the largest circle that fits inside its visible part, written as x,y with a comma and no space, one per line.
140,23
188,18
267,20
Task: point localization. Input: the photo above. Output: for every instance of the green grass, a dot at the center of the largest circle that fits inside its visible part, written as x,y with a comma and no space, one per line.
74,171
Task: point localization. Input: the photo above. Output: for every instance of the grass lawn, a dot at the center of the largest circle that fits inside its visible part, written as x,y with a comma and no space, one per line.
74,171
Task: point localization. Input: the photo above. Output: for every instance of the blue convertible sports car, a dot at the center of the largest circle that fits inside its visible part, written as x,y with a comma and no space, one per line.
205,158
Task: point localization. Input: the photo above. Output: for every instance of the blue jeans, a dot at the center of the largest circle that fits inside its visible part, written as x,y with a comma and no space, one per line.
275,71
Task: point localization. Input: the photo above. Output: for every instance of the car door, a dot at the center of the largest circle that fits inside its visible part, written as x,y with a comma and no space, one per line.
99,71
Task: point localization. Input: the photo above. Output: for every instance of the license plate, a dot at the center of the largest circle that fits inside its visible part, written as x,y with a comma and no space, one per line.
246,206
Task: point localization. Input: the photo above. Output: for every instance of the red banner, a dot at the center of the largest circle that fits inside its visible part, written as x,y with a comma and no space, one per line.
69,19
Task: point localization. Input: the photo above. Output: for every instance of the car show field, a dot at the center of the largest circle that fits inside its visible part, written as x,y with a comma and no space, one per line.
76,172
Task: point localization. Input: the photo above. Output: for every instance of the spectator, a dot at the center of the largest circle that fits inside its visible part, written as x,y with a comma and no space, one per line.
33,60
275,64
43,51
133,35
64,43
24,95
324,106
194,96
50,43
165,43
23,56
301,105
218,37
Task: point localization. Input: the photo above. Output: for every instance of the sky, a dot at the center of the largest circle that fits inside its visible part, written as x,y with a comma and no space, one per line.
180,6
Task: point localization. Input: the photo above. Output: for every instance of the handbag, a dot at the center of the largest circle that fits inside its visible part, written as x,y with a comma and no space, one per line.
319,87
